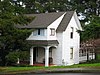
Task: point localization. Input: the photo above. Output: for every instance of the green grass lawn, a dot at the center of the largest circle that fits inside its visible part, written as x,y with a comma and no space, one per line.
33,68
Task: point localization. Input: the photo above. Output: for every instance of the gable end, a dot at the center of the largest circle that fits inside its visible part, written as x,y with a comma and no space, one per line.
64,23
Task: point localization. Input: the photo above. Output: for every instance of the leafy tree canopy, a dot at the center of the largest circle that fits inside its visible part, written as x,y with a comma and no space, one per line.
11,38
86,7
92,30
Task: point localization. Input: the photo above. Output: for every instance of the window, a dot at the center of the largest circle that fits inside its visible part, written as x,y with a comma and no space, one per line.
39,32
71,34
71,53
52,31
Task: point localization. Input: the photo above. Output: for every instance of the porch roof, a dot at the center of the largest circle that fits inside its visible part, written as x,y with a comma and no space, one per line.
43,42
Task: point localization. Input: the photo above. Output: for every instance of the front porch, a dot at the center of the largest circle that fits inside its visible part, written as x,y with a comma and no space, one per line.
42,56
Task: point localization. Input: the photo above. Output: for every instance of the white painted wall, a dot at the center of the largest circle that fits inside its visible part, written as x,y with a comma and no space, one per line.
68,43
62,54
57,53
54,55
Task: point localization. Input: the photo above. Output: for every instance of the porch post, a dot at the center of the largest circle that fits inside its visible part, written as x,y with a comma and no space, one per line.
31,56
46,56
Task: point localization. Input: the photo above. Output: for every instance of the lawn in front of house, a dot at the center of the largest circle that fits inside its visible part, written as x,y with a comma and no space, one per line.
34,68
15,69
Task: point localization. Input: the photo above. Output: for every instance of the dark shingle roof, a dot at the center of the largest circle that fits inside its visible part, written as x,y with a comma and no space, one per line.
42,20
63,25
45,19
43,42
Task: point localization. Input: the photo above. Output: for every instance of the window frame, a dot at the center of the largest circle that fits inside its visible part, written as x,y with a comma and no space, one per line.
52,32
71,53
39,32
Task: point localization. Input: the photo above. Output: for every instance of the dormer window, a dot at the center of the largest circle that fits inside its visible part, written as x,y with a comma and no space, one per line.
52,31
39,32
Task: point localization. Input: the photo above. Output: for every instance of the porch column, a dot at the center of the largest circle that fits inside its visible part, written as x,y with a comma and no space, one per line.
46,56
31,56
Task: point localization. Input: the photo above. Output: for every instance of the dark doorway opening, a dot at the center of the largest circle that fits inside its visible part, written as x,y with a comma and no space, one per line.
34,55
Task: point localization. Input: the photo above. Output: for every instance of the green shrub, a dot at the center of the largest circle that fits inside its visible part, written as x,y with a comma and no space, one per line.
98,56
12,57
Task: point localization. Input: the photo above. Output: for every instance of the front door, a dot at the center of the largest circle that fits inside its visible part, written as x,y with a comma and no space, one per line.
34,55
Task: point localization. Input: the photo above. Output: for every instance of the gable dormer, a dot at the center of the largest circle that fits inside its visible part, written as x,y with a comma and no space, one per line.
38,34
52,28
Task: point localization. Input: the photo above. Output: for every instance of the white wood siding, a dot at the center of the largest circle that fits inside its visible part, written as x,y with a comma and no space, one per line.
71,43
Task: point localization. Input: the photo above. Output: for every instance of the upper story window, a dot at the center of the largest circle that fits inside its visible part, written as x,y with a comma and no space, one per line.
39,32
71,33
52,31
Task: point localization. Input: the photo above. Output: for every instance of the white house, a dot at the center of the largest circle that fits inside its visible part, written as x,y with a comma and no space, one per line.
55,38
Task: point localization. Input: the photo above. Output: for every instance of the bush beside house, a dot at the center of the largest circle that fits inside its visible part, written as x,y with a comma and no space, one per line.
17,58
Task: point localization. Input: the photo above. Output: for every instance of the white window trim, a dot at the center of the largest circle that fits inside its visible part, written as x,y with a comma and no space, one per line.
71,53
52,32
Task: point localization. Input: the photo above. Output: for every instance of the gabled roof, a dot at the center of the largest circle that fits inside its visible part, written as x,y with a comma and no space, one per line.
63,25
45,19
42,20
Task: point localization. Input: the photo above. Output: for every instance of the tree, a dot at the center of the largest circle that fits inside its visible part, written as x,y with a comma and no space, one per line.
15,57
92,30
11,38
12,58
91,33
85,8
42,6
